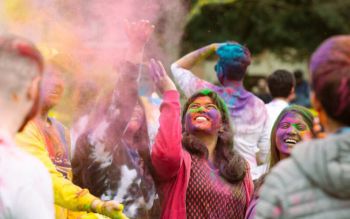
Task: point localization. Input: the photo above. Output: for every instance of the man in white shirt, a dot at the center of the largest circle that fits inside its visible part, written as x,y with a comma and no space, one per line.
25,185
281,84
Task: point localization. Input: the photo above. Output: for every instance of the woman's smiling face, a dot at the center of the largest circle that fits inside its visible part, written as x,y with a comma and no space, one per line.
291,130
203,116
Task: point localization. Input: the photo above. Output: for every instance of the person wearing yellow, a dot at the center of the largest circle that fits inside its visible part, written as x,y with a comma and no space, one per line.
66,194
45,138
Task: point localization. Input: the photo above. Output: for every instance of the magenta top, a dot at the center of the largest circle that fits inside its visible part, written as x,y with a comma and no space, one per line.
172,163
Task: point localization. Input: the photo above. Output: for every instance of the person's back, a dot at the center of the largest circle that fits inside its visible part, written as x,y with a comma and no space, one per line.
314,182
25,185
26,189
248,112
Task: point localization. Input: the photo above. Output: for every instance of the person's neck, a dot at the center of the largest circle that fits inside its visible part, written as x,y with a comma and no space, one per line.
9,125
209,141
44,115
234,84
11,119
284,156
281,98
332,126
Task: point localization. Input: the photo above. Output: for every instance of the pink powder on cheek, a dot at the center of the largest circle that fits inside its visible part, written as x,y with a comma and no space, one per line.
216,118
188,123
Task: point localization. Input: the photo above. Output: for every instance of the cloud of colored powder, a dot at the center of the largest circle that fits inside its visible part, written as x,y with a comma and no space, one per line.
85,38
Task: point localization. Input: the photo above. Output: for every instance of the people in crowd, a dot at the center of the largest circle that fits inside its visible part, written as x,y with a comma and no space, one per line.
48,140
198,172
313,182
112,157
281,85
293,125
261,90
302,90
247,111
25,188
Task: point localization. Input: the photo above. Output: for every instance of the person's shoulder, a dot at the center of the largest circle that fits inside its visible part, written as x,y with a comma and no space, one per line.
282,174
255,100
25,165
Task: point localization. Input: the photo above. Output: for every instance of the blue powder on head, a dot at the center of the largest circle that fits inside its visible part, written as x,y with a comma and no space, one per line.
231,51
233,62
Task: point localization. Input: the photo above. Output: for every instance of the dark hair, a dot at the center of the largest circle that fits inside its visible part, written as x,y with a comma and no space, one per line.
308,119
330,74
281,83
298,74
231,165
233,62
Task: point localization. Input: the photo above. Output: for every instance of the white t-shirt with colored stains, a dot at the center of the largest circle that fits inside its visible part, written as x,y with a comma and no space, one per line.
25,184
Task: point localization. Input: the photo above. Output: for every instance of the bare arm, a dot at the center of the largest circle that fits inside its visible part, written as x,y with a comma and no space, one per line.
189,60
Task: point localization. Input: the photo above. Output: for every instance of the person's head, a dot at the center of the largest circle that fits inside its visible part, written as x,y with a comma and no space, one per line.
21,67
52,88
298,75
206,113
233,62
330,78
281,84
294,124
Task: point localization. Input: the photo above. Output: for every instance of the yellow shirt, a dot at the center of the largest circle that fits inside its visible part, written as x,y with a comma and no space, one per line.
67,196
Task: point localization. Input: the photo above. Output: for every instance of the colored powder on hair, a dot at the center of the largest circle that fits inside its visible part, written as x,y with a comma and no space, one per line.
230,51
206,92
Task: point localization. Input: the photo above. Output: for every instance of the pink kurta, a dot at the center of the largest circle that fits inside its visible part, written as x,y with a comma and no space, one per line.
172,163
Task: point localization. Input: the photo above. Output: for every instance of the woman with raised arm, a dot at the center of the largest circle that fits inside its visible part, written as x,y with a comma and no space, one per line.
198,173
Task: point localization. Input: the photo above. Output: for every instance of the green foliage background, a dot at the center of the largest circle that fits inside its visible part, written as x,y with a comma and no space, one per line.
292,29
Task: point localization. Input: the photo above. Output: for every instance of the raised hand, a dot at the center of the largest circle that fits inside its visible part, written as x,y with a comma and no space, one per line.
160,76
138,33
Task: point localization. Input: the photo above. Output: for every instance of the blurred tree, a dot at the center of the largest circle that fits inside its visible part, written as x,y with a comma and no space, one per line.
292,29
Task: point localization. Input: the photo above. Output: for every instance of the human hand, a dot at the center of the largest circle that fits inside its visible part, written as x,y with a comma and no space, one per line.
138,33
110,209
160,76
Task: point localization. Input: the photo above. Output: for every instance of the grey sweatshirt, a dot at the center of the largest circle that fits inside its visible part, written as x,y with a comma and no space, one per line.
313,183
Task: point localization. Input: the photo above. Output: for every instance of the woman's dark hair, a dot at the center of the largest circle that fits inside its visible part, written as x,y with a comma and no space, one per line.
330,74
231,165
308,119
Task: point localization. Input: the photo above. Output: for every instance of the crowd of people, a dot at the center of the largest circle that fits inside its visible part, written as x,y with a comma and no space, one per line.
223,154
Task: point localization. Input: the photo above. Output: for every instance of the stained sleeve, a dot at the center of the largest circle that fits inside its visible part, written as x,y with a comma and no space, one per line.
167,152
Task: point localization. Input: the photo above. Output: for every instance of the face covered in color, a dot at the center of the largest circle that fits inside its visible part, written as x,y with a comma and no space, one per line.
291,130
203,116
52,89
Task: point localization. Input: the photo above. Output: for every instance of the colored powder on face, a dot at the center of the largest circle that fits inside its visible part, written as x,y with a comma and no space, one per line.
213,114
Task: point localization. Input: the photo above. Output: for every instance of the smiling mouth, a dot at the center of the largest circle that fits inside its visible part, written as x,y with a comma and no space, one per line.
291,141
201,119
